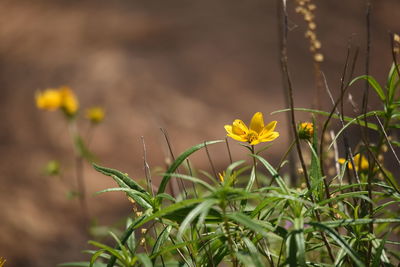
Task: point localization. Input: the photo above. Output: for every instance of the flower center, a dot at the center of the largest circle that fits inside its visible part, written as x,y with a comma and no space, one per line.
251,136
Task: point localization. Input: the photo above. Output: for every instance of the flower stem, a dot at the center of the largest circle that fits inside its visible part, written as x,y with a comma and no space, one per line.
254,166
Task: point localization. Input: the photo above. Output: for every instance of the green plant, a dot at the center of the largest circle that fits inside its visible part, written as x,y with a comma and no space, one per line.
231,218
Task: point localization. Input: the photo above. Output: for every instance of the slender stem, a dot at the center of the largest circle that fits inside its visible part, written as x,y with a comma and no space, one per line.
228,235
81,188
364,111
255,166
79,174
229,150
210,160
285,155
282,20
284,65
173,158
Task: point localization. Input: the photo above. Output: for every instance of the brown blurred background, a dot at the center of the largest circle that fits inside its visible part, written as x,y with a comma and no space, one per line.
187,66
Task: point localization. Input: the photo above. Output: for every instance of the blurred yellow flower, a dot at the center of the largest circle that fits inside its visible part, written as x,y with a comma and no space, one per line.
95,114
221,176
364,165
49,99
256,133
2,261
69,102
306,130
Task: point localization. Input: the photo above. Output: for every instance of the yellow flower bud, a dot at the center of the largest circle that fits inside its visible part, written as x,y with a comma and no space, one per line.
306,130
95,114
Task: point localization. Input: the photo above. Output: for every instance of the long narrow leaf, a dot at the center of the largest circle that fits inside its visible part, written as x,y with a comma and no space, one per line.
179,161
124,177
335,236
274,174
345,118
378,89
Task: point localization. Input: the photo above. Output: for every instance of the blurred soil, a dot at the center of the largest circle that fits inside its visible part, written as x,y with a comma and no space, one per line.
187,66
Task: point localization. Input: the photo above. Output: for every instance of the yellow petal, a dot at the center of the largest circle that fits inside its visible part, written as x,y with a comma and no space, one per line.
228,129
343,161
257,122
237,137
268,137
239,128
255,142
50,99
269,127
69,100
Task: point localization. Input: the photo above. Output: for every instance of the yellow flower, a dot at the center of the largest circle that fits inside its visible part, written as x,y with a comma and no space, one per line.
95,114
306,130
69,102
256,133
221,176
50,99
364,165
2,261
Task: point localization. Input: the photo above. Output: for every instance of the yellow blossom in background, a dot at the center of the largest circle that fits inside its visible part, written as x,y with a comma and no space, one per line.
2,261
306,130
49,99
95,114
256,133
364,165
221,176
69,102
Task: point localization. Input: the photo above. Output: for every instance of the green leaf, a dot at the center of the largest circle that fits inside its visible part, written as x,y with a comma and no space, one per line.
252,224
81,264
205,206
315,173
378,89
229,170
124,177
128,232
144,259
255,255
170,210
179,161
82,149
360,194
345,118
351,122
300,242
166,196
114,252
342,243
274,174
144,196
340,223
192,179
99,253
251,180
162,237
392,84
376,262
